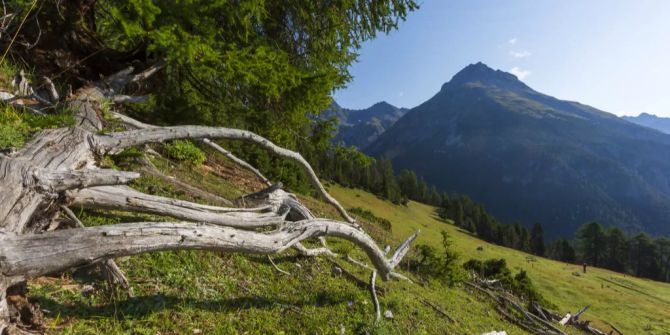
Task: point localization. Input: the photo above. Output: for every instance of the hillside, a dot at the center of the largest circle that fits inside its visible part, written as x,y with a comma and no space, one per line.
636,306
661,124
200,292
192,292
529,157
361,127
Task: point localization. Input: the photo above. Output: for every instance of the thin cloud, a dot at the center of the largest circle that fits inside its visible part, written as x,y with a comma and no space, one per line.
512,40
519,73
520,54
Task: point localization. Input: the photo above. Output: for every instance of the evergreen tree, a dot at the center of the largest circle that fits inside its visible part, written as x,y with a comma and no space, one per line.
537,240
663,249
591,243
616,249
643,256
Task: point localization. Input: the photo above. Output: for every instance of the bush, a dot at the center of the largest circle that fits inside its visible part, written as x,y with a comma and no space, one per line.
520,284
185,151
441,266
16,127
368,216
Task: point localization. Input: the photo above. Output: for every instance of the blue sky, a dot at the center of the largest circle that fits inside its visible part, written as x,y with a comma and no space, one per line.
612,55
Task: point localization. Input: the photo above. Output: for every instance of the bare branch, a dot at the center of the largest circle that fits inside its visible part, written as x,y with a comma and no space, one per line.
118,141
140,125
373,292
277,268
403,249
62,180
128,199
51,89
127,99
238,161
314,251
114,275
32,255
150,71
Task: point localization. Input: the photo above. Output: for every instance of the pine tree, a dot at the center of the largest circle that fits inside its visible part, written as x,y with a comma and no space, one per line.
591,242
537,240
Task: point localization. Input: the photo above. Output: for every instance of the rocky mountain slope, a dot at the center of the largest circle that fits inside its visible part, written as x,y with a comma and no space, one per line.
530,157
361,127
661,124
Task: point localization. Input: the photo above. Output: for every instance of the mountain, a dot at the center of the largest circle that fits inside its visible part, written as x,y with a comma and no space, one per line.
361,127
661,124
529,157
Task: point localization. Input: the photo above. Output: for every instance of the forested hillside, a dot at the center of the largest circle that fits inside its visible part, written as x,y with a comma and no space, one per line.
532,158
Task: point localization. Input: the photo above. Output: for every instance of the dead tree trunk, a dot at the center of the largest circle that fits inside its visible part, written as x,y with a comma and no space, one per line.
58,168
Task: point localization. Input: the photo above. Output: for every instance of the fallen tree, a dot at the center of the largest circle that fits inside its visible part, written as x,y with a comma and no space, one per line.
58,168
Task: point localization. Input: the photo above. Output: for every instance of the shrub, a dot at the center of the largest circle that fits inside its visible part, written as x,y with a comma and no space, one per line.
442,266
185,151
520,284
16,126
368,216
13,133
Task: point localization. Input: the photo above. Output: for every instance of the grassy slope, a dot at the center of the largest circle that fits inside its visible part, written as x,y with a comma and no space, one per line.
183,292
212,293
636,306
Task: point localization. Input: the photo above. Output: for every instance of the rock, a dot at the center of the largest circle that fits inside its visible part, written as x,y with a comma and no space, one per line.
388,314
87,290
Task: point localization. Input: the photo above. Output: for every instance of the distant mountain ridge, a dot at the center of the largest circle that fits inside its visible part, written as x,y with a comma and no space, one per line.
361,127
661,124
529,157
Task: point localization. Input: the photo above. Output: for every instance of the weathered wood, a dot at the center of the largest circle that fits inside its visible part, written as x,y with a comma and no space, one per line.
58,168
118,141
32,255
148,168
437,309
109,268
375,300
128,199
614,328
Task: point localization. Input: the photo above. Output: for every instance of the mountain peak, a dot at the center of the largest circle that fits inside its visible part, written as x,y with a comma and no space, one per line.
383,104
483,74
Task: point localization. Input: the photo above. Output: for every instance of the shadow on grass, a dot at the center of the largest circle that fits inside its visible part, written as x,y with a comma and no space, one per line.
436,217
141,306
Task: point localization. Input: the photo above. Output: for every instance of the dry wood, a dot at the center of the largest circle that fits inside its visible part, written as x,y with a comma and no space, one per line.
437,309
149,168
109,268
614,328
58,168
373,292
353,278
128,199
118,141
277,268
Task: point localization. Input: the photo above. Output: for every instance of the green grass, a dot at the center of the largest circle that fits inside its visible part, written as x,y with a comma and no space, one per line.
189,291
636,306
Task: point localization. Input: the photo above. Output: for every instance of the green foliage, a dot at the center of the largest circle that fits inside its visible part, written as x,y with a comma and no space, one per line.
442,266
185,151
591,243
254,64
368,216
17,126
496,269
13,131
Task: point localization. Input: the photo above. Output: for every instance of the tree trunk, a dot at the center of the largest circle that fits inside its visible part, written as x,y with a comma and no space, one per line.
58,168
